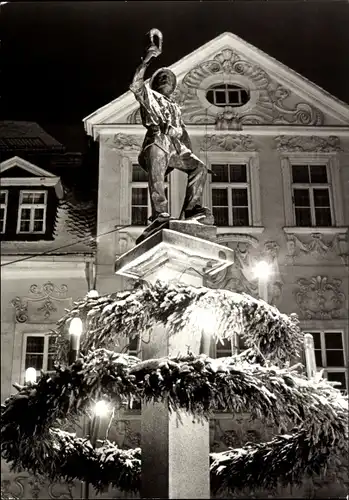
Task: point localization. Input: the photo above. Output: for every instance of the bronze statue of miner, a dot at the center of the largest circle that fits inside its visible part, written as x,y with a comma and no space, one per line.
166,138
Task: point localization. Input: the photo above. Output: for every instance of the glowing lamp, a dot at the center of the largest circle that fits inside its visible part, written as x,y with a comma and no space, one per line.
30,375
101,408
262,270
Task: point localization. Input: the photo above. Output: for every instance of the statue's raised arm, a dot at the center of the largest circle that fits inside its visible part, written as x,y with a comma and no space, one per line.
166,137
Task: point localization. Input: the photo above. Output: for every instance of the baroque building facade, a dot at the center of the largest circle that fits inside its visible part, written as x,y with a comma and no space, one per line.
279,146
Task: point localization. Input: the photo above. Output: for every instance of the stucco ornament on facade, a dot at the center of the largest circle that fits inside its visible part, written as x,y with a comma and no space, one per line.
241,277
274,104
124,142
229,142
299,143
320,298
318,247
44,303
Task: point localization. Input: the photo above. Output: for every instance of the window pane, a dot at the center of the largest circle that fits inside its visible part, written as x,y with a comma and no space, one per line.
333,340
337,377
303,217
39,197
34,360
25,226
318,173
317,339
138,174
241,344
2,197
134,344
239,197
318,358
240,216
50,362
220,197
35,344
234,97
334,358
238,173
323,216
140,196
38,214
139,216
321,198
300,173
220,97
301,197
38,225
221,216
27,198
2,213
25,214
223,350
220,173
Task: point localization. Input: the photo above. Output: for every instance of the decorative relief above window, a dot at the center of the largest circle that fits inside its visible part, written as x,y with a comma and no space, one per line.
268,103
124,141
319,246
320,298
306,144
45,304
229,142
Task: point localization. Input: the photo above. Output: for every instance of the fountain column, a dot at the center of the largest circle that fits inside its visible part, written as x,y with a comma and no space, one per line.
175,455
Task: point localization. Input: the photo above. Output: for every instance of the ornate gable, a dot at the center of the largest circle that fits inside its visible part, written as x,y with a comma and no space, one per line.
276,94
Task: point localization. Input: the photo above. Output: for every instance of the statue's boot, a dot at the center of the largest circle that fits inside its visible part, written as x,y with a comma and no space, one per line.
200,214
158,224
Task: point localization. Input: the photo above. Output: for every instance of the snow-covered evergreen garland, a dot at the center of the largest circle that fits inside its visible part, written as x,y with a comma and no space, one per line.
125,314
196,384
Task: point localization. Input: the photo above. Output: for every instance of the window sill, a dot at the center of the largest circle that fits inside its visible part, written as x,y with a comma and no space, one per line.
311,230
240,230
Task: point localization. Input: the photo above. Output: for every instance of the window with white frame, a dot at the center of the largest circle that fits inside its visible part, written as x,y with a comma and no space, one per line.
39,353
230,194
140,198
330,356
227,94
3,210
225,347
311,196
32,212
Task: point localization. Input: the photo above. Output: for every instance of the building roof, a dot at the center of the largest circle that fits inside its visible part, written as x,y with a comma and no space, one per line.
219,56
24,136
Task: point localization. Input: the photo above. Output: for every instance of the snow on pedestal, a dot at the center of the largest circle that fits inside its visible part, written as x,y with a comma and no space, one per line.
175,455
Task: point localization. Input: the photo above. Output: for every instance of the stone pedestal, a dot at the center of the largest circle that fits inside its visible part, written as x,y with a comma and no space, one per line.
175,455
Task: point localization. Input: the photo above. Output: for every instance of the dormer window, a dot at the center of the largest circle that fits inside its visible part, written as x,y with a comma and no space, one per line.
3,210
227,94
32,212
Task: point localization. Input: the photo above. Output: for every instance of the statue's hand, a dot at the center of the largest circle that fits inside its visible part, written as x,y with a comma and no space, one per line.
152,52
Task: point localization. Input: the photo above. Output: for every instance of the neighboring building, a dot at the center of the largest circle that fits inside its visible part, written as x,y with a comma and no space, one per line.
47,244
280,148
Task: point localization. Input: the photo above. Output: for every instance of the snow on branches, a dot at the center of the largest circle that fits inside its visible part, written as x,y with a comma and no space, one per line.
269,333
196,384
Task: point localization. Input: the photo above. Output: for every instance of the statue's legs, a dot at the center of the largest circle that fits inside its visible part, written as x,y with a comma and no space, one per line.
197,174
156,162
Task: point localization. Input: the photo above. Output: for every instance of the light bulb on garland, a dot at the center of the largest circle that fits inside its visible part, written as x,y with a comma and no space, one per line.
30,375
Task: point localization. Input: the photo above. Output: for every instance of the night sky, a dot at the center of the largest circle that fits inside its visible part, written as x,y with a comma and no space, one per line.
63,60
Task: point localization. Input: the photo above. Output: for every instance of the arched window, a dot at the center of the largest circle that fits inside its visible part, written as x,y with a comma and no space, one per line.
226,94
